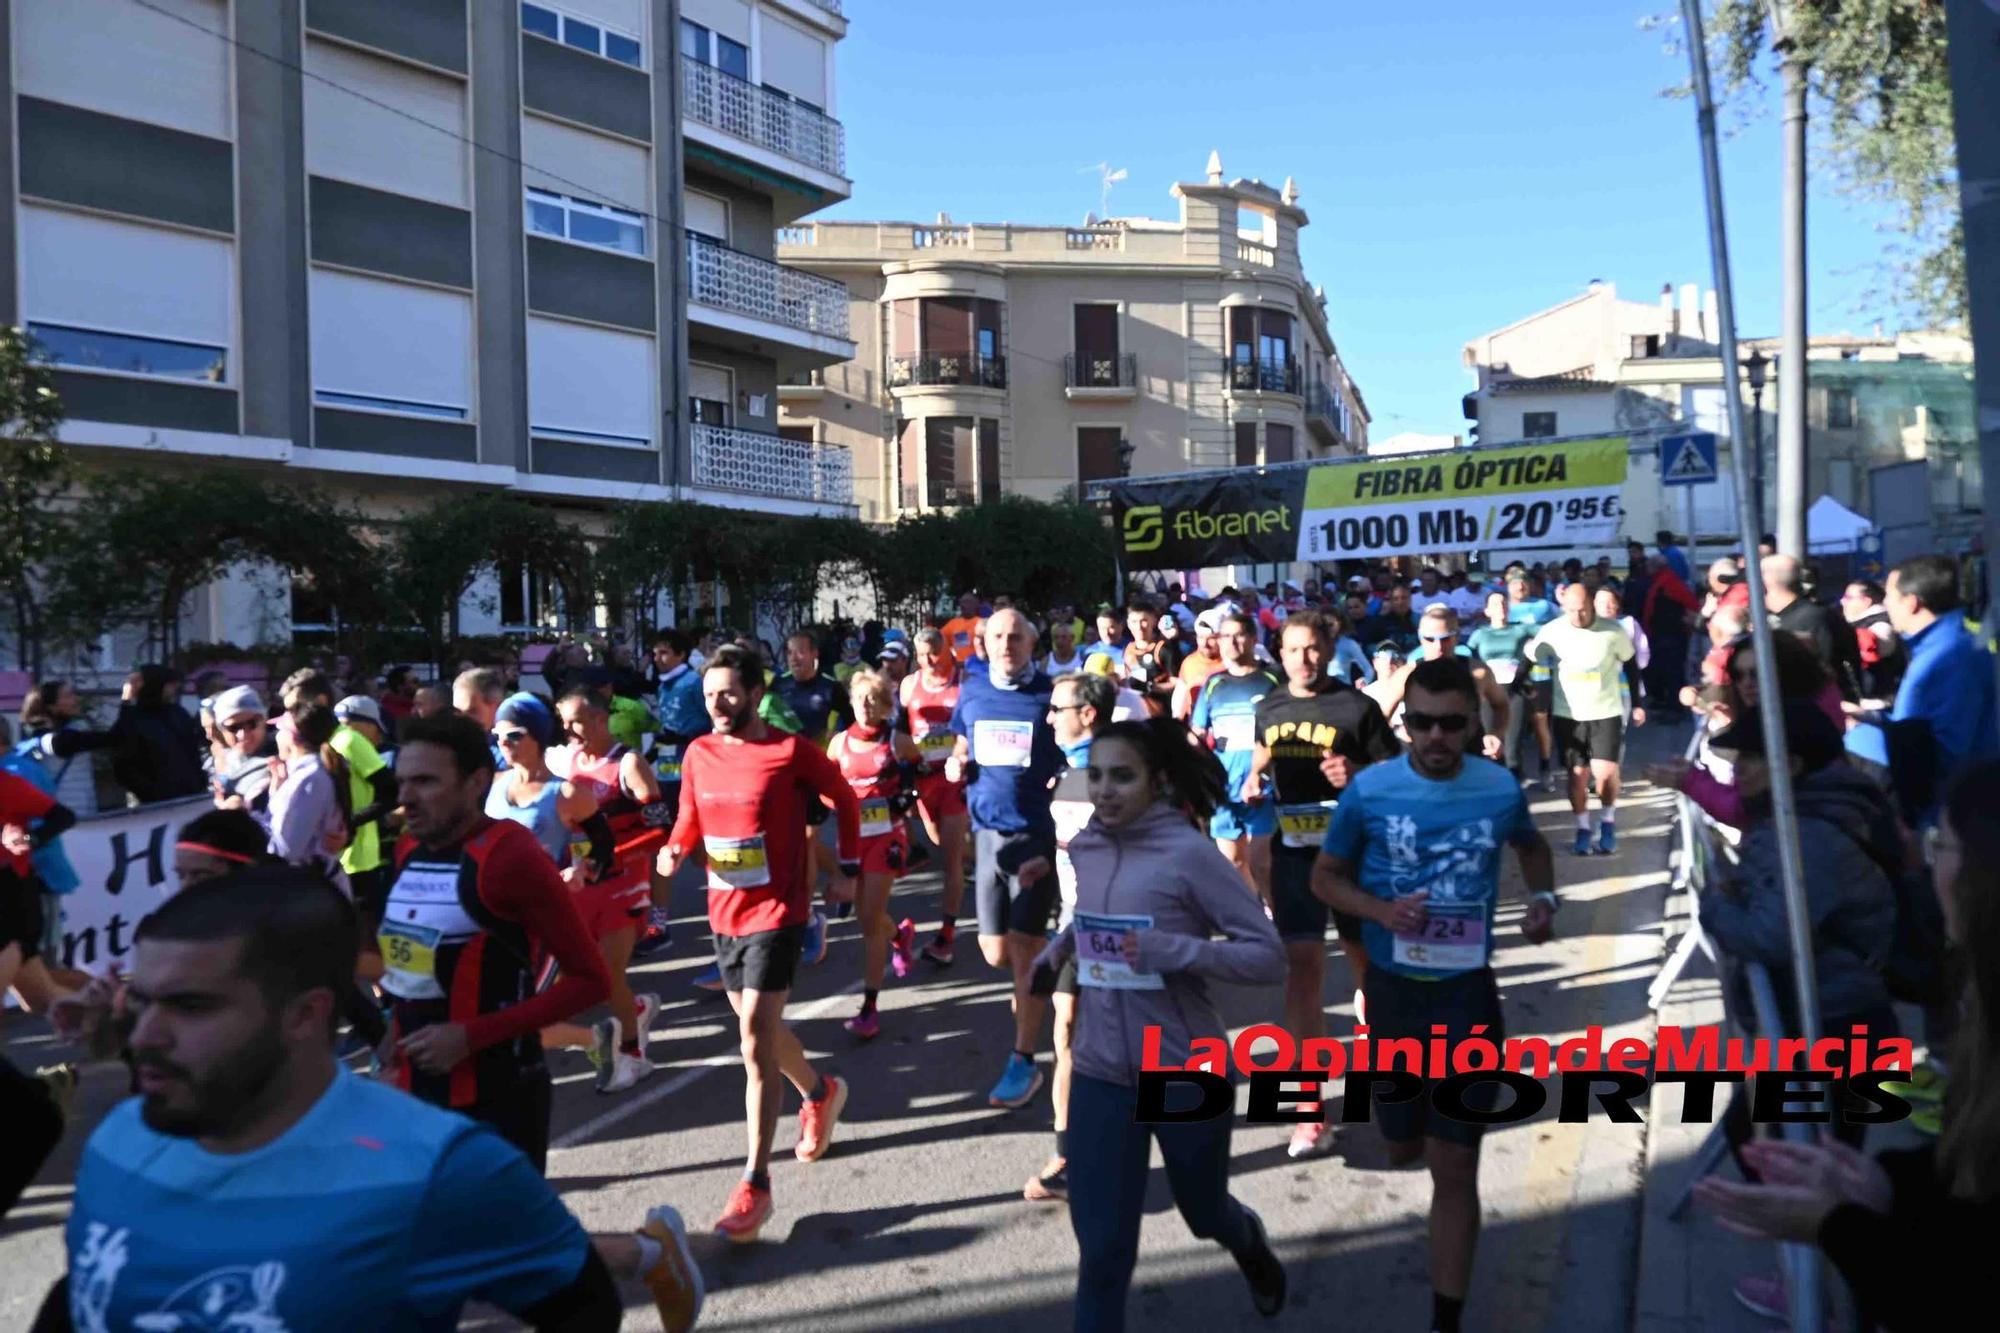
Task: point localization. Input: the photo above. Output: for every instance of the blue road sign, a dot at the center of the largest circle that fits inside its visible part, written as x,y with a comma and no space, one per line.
1687,460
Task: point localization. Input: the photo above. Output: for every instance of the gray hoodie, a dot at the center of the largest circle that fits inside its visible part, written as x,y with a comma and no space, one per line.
1161,866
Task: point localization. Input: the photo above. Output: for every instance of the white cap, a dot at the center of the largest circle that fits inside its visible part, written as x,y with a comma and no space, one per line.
358,706
235,701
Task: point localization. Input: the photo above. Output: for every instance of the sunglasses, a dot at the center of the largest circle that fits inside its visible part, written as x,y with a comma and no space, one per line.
238,728
1449,723
510,737
1439,638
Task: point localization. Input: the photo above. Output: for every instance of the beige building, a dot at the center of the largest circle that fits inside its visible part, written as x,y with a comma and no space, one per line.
1000,358
1597,364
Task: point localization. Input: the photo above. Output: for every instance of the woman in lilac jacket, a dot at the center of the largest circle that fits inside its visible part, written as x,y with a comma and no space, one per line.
1152,892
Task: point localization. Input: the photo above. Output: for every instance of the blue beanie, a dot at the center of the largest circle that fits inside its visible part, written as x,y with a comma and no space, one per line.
529,713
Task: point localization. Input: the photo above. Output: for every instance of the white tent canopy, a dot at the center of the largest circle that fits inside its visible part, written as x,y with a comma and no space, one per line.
1832,527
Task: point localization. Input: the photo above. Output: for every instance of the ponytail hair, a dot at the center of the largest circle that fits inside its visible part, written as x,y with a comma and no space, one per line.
316,725
1182,770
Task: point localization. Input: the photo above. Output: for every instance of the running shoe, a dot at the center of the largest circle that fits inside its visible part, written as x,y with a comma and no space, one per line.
603,1047
866,1025
626,1070
649,1010
817,1119
675,1280
1607,838
1018,1084
1548,779
1310,1138
815,950
1583,842
657,938
709,979
901,945
748,1210
939,950
1050,1184
1764,1294
1261,1268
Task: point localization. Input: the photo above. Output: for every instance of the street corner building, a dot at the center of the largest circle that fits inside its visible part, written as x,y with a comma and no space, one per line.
1002,358
396,248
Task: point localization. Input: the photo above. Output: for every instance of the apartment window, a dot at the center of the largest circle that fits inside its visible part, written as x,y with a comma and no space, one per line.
1840,409
910,462
590,384
1260,349
707,217
385,124
1538,425
101,294
710,392
1645,345
1246,444
962,460
946,340
792,61
586,223
130,354
1278,444
712,48
1097,452
529,599
161,63
387,346
584,35
1096,345
989,460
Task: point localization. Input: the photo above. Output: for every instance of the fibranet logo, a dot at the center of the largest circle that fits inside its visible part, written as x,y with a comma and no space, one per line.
1143,528
1193,525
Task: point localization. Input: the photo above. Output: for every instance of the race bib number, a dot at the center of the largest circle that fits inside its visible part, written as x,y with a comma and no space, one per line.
737,863
667,765
1100,953
1003,744
1238,731
1453,939
875,820
1504,672
409,961
579,849
936,746
1304,826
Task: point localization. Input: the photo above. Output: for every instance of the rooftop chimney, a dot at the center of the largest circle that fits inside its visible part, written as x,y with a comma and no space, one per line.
1711,317
1690,316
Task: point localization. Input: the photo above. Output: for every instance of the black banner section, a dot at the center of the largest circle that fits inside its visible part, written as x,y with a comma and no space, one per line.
1222,518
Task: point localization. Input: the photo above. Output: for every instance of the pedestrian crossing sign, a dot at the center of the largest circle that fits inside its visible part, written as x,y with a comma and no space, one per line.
1687,460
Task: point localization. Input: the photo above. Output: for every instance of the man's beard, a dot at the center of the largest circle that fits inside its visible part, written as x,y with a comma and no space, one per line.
734,721
217,1102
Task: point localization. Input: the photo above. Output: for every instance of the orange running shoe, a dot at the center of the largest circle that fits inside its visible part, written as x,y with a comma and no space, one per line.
675,1280
749,1209
817,1119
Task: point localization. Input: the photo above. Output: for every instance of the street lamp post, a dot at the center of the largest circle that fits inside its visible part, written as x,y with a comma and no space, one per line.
1791,497
1759,366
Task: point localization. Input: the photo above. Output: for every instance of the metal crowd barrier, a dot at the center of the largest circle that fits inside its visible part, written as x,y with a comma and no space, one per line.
1699,854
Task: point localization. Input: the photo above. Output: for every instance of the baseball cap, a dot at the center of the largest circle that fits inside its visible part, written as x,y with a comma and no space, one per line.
358,706
236,700
1209,621
893,648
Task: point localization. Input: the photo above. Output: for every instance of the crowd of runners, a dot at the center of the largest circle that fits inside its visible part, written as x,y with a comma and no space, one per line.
1183,791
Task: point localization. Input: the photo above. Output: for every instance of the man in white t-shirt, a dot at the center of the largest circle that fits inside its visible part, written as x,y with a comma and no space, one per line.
1589,655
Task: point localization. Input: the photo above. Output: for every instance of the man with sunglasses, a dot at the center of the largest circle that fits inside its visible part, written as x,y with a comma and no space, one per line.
1413,850
1310,738
1438,633
1589,657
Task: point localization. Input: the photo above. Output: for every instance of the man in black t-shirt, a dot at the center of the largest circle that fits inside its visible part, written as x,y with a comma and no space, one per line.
1394,623
1312,737
1824,630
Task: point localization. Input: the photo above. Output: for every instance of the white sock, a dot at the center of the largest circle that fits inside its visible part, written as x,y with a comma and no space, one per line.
1609,814
1583,821
650,1252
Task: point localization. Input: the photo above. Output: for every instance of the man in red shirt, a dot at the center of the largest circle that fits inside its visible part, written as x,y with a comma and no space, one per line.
475,907
744,795
29,817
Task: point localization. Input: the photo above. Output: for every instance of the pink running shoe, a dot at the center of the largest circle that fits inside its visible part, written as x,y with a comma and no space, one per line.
900,947
866,1026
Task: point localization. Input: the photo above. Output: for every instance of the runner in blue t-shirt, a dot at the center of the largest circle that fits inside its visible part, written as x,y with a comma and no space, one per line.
1225,715
1524,607
1007,753
1414,850
255,1183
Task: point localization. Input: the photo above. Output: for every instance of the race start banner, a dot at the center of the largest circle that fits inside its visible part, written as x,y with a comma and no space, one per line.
1557,494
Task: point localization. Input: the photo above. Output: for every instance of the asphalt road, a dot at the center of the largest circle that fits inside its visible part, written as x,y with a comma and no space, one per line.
915,1221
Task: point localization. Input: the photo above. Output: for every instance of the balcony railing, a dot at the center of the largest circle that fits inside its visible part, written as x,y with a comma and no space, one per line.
1089,370
731,280
983,372
1262,376
1320,402
765,118
729,459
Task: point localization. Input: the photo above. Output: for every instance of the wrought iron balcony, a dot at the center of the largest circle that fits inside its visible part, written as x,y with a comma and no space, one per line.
763,117
1262,376
983,372
1089,370
731,280
729,459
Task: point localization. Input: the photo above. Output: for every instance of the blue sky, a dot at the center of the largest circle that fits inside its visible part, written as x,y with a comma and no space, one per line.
1464,163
